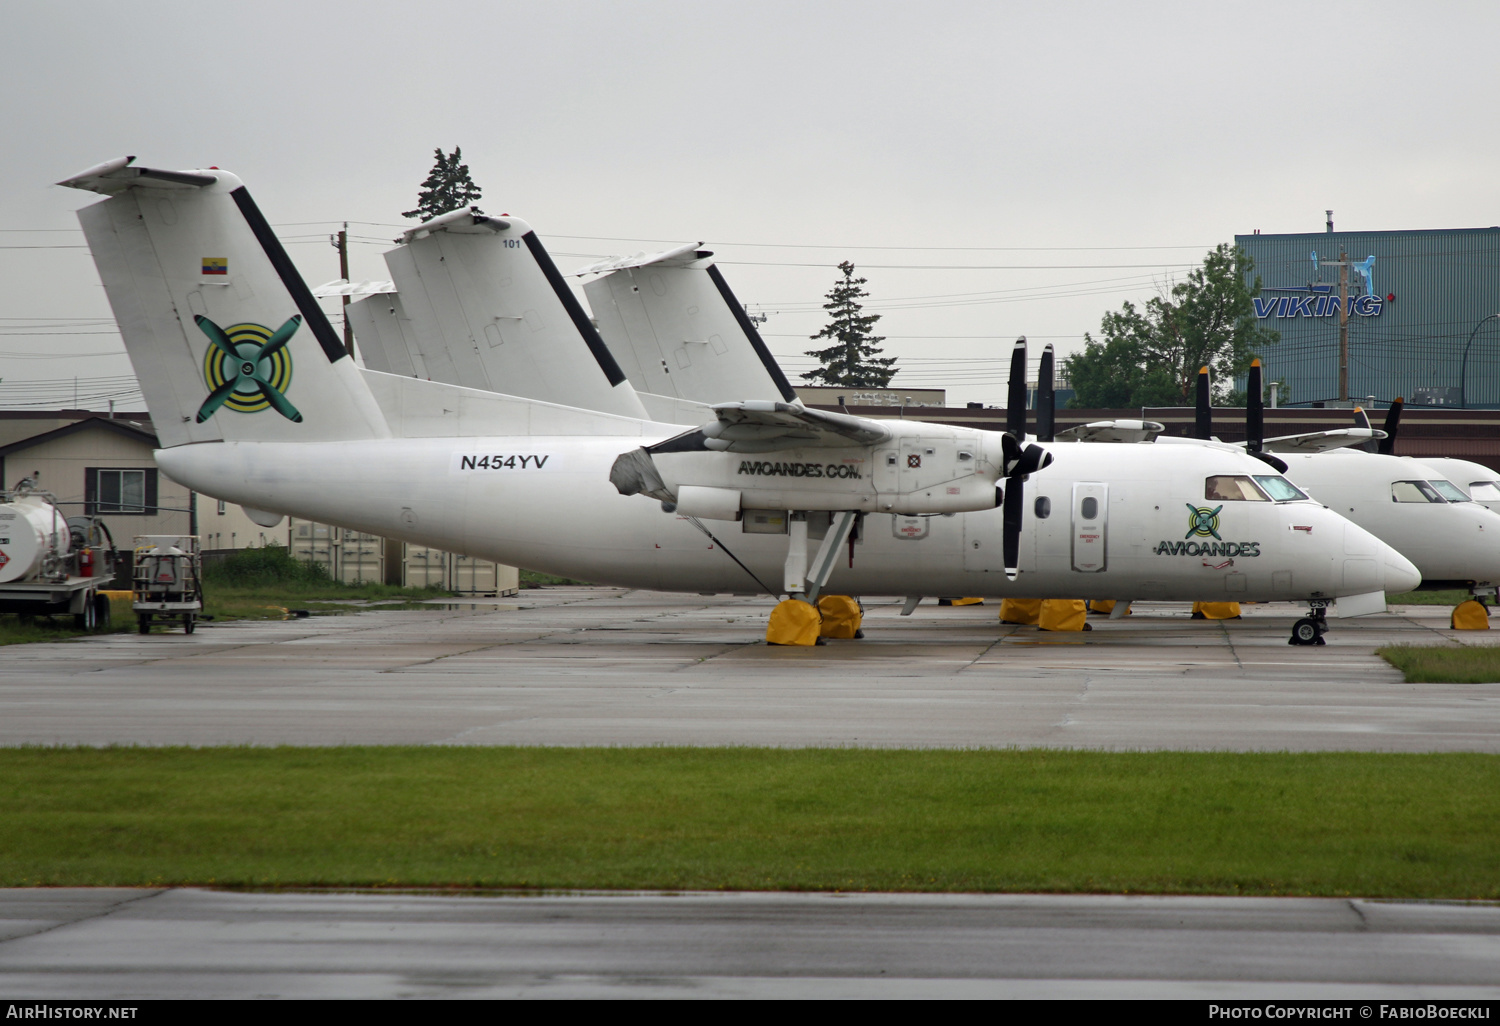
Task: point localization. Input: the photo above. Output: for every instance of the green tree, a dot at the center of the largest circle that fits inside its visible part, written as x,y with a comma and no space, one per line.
852,360
1151,357
448,187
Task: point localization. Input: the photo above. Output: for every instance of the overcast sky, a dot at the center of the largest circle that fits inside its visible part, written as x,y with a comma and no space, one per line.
1074,155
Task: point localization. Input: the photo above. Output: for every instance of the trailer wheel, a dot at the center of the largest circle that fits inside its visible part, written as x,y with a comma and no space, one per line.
101,612
189,624
89,618
143,622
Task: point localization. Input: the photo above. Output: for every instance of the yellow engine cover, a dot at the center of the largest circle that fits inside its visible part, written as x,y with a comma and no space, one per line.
793,622
1217,610
1063,615
1021,611
841,616
1470,616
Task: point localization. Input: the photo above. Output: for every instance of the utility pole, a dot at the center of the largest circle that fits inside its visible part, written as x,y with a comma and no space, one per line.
341,243
1343,326
1343,264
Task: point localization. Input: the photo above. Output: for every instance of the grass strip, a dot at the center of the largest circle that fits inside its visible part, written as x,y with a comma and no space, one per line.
1392,825
1428,598
1444,664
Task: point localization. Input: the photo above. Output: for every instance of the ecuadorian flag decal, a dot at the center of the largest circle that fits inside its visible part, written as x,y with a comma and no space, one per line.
215,265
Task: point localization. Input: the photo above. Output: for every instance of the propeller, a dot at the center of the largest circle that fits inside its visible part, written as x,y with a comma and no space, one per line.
1020,459
1204,427
1046,399
1255,410
246,368
1387,445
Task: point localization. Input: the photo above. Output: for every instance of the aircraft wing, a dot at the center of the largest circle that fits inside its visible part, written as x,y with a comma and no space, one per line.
1113,431
1322,441
766,426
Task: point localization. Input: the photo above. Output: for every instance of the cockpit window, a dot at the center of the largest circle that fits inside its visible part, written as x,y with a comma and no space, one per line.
1279,488
1484,491
1449,490
1414,491
1234,488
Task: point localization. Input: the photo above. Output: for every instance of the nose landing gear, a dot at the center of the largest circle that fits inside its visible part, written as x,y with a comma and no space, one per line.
1310,629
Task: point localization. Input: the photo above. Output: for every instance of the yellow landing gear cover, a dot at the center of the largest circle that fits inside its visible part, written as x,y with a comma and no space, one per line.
1217,610
1063,615
793,622
1021,611
968,602
1105,606
841,616
1471,616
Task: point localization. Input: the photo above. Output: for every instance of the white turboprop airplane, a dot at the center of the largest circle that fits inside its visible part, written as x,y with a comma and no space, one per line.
672,323
255,400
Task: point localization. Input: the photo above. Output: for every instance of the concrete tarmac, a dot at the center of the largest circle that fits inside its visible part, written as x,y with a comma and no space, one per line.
140,944
598,666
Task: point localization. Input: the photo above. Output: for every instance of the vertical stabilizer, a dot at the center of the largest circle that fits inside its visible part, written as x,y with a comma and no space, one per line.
385,335
677,329
486,308
225,338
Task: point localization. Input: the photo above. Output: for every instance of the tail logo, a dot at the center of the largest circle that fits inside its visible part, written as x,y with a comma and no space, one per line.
247,368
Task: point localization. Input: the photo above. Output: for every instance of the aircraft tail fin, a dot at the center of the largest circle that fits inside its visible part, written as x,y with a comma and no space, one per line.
485,307
225,337
677,329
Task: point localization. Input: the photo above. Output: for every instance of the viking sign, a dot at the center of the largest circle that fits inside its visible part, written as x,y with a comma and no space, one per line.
248,368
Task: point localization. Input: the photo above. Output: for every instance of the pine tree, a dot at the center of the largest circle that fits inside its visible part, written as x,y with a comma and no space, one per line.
851,361
448,187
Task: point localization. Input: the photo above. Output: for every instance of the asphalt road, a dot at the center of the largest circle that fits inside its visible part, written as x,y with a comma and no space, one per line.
577,666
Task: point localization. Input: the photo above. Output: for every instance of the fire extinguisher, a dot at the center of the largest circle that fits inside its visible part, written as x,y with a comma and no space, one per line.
86,563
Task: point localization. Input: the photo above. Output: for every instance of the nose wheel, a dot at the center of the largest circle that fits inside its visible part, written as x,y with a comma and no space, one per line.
1310,629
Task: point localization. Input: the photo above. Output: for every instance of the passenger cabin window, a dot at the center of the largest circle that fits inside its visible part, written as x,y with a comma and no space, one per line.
1484,491
1449,491
1043,507
1233,488
1414,491
1279,488
1088,509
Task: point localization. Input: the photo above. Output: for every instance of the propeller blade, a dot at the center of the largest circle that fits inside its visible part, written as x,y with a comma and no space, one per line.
216,336
1204,428
282,336
1015,403
278,401
216,398
1255,409
1014,499
1046,398
1392,422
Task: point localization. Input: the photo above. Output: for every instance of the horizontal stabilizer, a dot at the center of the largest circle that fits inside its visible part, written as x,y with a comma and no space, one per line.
1113,431
114,176
678,256
1322,441
344,287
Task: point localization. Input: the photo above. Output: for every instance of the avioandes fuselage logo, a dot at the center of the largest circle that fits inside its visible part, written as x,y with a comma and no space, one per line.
248,368
1203,522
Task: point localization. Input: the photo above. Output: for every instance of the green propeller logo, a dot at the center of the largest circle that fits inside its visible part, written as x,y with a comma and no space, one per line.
1203,521
248,368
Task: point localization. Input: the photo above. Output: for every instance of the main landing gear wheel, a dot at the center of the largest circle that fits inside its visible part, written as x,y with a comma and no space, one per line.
1308,631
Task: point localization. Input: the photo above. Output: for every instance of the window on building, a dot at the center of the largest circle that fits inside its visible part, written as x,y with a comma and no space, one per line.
120,491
